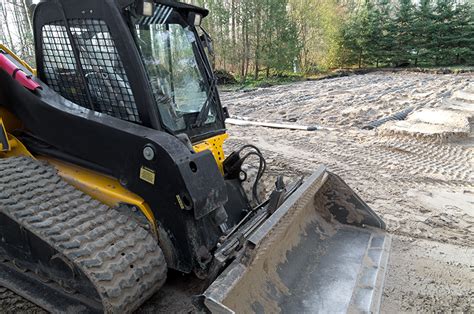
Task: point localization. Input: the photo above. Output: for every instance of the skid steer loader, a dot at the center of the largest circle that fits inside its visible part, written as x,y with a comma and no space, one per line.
112,171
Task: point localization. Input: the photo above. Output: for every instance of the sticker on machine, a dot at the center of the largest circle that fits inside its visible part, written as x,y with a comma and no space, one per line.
147,174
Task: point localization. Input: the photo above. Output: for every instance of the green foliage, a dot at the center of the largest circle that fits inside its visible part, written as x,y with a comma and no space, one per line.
404,32
424,29
455,36
407,32
255,39
252,36
319,24
270,37
280,45
274,79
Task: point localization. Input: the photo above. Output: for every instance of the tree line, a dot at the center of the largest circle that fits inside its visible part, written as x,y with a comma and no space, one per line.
255,38
263,37
427,33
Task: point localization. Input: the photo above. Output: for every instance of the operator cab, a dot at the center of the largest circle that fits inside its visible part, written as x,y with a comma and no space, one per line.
176,67
149,67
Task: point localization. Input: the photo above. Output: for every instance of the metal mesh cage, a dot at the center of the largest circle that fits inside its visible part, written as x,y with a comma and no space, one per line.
97,80
60,67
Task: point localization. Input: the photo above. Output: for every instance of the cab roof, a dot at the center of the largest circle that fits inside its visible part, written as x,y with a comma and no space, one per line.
183,6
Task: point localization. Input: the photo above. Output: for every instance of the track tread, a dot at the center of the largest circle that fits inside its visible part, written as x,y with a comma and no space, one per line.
121,259
13,303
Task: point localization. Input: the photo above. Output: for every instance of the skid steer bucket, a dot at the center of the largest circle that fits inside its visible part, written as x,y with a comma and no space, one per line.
322,251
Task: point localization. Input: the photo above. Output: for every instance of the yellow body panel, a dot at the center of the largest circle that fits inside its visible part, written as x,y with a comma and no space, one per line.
9,123
215,145
23,63
16,148
103,188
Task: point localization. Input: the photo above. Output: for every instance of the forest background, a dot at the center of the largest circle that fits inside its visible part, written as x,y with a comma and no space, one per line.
256,39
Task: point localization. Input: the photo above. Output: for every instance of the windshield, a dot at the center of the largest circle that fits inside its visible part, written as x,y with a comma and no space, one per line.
179,86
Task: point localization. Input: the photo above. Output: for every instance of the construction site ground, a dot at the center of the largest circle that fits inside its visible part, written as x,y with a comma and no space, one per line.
417,174
420,180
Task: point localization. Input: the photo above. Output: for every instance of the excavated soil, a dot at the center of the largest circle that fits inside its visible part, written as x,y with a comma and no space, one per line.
347,101
423,187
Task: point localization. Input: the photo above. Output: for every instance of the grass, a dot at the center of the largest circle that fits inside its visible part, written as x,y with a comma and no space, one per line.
270,81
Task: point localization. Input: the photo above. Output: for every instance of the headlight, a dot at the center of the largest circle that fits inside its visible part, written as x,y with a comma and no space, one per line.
148,7
197,19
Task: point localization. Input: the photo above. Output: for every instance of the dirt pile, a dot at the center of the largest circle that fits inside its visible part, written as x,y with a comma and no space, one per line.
350,101
452,119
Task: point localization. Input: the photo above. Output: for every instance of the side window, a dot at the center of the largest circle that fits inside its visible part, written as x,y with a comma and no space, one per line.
60,67
103,76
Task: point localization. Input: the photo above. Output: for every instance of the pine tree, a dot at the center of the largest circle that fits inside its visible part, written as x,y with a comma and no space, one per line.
359,35
425,29
386,44
374,50
462,39
443,16
404,35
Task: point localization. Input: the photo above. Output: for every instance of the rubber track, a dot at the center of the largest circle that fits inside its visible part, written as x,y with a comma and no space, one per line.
13,303
121,259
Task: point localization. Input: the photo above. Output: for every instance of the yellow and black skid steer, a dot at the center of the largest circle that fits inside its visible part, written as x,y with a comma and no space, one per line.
112,171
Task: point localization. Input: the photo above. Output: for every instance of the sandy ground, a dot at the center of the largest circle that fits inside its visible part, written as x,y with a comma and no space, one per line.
422,187
345,102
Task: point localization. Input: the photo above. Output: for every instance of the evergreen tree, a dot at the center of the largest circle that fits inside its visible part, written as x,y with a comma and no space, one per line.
443,17
361,34
425,29
385,52
462,39
453,43
374,34
404,49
